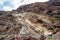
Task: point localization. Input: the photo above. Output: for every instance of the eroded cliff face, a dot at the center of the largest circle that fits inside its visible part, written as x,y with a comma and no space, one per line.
35,21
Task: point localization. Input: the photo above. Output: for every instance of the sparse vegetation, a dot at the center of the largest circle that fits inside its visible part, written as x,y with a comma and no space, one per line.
34,20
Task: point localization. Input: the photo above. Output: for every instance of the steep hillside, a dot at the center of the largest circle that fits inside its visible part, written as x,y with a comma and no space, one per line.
36,21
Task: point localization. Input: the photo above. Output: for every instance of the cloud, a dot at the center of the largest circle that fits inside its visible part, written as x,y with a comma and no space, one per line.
7,8
21,0
6,5
32,1
9,5
1,3
16,3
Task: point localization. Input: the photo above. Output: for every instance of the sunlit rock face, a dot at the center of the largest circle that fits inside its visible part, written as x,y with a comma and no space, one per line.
33,25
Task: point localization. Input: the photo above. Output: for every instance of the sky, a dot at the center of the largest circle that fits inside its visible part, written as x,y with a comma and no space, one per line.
9,5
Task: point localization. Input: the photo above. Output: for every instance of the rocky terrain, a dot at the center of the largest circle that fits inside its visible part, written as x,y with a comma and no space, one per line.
36,21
